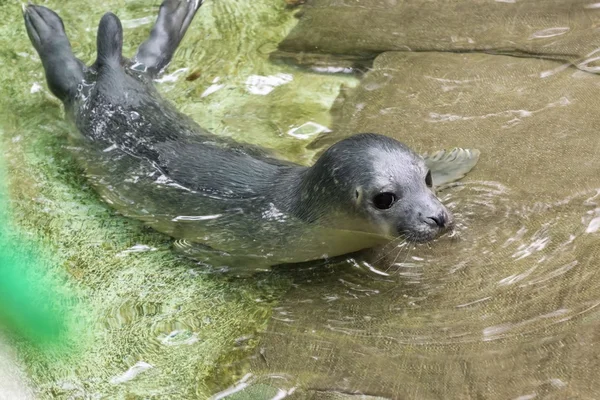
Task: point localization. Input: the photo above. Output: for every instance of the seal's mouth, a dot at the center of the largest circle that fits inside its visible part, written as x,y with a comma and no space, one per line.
427,232
427,236
419,236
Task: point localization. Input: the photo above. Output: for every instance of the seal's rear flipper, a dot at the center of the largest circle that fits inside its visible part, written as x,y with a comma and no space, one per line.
109,41
450,166
173,20
46,31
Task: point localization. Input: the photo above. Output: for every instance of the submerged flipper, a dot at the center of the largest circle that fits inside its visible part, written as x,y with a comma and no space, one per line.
173,20
216,261
46,31
450,166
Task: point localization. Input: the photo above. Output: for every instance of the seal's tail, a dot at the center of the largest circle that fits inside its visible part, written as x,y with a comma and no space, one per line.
173,20
46,31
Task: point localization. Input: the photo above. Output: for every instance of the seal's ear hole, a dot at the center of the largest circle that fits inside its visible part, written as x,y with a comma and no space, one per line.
428,180
385,200
358,194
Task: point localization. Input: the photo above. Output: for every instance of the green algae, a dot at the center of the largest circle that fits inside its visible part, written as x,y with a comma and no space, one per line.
146,322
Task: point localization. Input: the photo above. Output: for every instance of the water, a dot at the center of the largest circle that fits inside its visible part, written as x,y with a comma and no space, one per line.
148,307
506,308
510,309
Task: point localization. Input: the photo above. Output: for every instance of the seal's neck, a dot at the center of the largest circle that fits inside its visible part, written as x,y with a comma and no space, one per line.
306,194
287,190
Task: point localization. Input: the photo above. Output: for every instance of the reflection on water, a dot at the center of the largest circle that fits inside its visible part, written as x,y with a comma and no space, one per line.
508,307
507,310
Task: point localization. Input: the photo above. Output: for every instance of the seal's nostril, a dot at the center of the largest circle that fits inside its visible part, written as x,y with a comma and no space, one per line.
438,220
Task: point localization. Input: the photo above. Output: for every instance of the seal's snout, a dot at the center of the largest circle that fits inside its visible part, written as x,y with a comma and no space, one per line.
437,220
443,220
429,225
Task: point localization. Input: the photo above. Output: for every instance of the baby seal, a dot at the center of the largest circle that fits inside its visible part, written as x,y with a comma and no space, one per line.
225,200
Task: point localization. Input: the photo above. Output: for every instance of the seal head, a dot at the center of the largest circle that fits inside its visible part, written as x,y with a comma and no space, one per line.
373,183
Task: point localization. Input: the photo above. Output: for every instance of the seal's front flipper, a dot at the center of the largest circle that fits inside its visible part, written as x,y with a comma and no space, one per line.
173,20
216,261
450,166
46,31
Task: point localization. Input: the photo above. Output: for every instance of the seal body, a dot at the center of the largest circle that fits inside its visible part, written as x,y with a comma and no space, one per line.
156,165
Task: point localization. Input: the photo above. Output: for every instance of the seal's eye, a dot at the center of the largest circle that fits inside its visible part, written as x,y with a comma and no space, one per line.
383,201
428,180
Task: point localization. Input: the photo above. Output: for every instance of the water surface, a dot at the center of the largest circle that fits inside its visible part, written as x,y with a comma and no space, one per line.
506,308
156,324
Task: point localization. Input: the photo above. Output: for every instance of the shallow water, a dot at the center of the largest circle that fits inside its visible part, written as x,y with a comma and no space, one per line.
148,322
510,309
507,308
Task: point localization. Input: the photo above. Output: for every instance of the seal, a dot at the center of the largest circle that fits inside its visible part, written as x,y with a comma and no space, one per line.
224,200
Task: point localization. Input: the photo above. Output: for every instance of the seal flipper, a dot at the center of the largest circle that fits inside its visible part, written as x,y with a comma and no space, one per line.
173,20
109,41
450,166
217,261
64,72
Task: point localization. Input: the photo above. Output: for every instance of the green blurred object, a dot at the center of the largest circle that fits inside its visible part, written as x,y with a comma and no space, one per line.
29,305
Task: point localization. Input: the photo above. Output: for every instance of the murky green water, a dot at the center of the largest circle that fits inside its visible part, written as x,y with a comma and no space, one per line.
154,323
508,308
